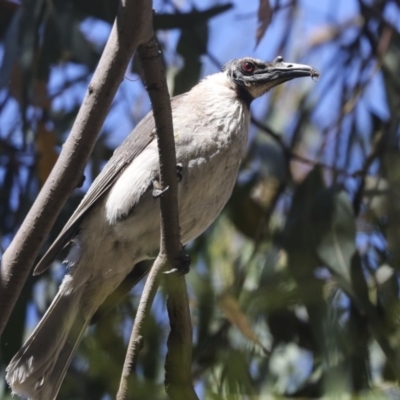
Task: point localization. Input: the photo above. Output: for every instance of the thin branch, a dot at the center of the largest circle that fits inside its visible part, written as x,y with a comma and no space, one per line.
136,339
178,363
131,27
377,150
290,155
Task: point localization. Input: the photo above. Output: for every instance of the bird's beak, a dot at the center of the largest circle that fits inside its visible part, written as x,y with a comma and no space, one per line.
278,72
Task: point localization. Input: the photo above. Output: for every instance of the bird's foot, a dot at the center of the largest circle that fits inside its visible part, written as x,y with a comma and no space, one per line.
182,265
158,191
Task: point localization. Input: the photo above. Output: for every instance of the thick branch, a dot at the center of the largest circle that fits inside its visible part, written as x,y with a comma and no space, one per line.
178,364
132,27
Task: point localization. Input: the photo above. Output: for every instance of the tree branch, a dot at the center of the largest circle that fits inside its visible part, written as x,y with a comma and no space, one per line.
136,339
132,26
178,363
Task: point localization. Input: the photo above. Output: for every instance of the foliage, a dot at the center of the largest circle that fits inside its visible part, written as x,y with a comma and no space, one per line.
294,290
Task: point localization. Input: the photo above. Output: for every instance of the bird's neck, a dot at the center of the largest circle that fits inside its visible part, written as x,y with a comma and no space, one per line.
223,85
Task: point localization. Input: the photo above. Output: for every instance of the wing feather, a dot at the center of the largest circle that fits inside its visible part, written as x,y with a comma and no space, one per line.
133,145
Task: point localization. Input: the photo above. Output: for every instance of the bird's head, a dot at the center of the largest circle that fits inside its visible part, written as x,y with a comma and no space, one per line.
252,78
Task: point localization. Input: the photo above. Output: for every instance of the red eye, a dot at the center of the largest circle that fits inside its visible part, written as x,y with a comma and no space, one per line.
248,67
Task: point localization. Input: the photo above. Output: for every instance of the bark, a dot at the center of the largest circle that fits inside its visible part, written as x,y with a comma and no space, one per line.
179,358
132,26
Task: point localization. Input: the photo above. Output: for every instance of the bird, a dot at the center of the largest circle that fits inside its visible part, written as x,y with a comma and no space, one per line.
116,226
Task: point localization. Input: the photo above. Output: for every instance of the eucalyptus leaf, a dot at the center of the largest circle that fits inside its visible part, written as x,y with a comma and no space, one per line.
321,229
299,231
336,244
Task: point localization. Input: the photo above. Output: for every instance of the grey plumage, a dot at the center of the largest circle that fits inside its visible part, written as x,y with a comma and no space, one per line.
117,225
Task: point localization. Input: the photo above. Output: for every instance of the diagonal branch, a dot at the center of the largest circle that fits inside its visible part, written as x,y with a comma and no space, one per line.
136,339
178,364
132,26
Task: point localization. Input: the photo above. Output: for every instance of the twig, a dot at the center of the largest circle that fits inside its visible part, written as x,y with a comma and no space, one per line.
377,149
188,20
178,364
130,28
290,155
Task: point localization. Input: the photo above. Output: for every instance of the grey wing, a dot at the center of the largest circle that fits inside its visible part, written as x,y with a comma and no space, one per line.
133,145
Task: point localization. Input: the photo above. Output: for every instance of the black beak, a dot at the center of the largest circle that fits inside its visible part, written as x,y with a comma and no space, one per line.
278,72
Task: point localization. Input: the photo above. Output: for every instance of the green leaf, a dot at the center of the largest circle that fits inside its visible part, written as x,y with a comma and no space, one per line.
321,229
299,231
390,68
336,244
264,19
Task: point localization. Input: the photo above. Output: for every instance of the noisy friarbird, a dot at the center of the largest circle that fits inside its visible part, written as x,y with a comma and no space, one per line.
117,224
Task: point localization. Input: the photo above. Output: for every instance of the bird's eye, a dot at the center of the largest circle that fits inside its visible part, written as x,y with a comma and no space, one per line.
248,67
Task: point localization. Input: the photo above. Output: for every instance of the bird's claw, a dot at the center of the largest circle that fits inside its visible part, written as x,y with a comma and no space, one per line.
157,190
183,265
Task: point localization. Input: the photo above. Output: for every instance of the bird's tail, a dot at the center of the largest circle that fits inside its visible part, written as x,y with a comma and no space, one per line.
37,370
